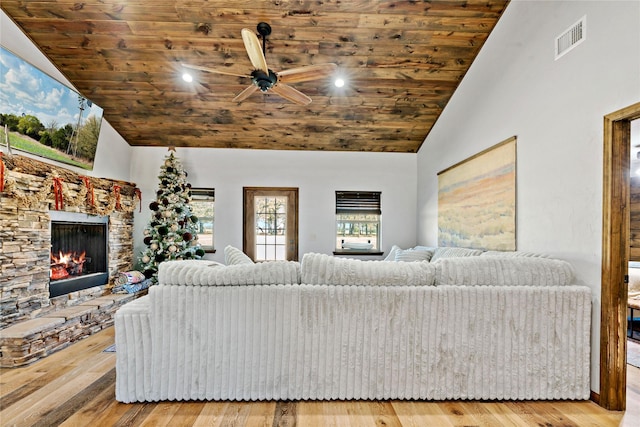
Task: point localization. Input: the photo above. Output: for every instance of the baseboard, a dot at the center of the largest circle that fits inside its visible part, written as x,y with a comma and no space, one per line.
595,397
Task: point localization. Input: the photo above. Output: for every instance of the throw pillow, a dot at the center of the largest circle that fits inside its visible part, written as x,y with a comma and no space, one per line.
412,255
234,256
392,253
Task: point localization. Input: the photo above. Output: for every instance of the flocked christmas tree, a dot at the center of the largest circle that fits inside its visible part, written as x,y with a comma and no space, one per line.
172,230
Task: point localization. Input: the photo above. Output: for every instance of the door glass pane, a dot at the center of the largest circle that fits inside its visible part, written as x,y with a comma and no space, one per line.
270,232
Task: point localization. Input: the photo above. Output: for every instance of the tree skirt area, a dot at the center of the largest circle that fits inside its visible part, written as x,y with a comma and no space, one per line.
633,353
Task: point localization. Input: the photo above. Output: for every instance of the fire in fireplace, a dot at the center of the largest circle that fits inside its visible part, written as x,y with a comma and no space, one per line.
66,264
79,252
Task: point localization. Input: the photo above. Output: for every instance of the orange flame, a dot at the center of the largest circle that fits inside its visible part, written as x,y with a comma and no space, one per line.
66,264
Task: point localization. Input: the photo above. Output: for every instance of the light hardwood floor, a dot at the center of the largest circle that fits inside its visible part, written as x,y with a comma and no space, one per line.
76,387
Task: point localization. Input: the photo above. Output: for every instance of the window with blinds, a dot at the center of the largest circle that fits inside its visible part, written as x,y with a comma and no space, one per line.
202,206
358,216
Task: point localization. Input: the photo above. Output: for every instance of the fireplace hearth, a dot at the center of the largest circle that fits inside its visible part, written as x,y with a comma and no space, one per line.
79,252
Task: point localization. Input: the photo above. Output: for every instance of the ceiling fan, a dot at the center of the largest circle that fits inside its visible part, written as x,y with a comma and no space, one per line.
264,78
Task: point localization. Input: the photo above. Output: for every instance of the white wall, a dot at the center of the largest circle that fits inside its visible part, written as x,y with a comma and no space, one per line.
113,153
556,110
317,175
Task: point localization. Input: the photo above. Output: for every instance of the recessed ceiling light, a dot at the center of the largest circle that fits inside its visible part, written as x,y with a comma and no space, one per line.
339,82
187,77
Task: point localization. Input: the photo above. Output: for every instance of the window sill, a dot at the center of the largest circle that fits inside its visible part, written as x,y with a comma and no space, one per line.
356,252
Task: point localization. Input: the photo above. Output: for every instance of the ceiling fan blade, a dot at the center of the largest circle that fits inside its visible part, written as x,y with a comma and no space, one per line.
291,94
245,93
254,50
309,72
212,70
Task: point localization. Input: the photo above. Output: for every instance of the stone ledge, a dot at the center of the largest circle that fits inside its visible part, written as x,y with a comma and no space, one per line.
33,339
31,327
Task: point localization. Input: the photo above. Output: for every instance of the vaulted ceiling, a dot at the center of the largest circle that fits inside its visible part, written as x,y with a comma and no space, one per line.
402,62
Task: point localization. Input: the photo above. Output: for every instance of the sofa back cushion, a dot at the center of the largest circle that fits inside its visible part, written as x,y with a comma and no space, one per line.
321,269
234,256
450,252
514,254
204,273
499,271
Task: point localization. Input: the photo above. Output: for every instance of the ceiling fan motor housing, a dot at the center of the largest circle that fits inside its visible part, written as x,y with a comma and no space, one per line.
263,80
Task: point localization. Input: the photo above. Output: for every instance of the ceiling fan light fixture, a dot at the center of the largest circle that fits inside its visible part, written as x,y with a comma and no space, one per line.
263,80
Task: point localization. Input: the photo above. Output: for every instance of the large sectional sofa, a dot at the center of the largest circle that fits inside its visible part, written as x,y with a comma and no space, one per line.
455,324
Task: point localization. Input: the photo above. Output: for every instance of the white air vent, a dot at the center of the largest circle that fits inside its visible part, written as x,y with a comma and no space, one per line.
572,37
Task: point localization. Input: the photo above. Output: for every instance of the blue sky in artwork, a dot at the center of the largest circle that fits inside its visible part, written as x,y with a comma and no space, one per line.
24,89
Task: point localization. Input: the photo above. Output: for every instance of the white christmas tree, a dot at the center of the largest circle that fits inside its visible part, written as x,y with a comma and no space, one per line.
172,230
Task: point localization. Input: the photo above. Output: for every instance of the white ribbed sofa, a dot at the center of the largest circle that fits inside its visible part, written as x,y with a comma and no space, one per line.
476,327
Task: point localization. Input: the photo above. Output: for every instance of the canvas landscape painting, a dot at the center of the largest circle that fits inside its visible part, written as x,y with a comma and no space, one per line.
477,200
41,116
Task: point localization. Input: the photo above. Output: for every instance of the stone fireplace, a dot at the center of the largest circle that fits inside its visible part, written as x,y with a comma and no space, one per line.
63,240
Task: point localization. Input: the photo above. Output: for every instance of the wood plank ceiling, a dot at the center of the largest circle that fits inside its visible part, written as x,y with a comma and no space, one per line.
402,61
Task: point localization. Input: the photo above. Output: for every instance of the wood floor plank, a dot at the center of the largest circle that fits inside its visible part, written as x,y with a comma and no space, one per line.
262,414
76,387
47,398
212,415
311,413
418,414
101,410
494,414
187,414
67,408
504,415
587,415
285,414
161,415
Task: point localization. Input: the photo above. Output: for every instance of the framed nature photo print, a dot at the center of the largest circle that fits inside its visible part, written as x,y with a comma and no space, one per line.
41,116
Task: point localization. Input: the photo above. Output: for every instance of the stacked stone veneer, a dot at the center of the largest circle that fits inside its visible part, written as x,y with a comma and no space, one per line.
33,325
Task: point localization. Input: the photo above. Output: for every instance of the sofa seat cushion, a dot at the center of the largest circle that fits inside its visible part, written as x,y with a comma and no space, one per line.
503,271
204,273
321,269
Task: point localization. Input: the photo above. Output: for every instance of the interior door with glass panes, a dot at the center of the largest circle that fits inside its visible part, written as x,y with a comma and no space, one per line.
271,223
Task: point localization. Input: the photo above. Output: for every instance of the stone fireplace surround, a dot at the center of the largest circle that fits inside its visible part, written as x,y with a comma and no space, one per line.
33,325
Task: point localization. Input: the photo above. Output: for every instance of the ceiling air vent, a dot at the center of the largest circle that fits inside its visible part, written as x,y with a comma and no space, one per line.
572,37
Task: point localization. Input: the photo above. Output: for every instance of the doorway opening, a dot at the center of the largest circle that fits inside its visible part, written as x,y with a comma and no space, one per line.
615,257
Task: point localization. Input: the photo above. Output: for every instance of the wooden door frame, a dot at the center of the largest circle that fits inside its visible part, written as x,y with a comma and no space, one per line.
615,256
248,214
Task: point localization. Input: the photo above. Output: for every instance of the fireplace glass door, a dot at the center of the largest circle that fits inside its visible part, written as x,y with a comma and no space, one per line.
78,254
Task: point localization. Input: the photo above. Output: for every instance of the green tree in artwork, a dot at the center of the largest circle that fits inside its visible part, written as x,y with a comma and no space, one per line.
88,138
172,232
31,126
